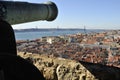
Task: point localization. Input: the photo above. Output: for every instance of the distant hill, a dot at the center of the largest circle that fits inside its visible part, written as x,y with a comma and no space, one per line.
48,29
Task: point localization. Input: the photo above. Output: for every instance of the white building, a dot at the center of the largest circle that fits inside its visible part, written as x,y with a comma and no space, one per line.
52,39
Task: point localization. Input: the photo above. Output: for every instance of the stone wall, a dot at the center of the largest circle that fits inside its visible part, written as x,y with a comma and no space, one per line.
63,69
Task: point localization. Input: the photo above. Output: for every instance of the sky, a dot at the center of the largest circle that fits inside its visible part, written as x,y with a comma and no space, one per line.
93,14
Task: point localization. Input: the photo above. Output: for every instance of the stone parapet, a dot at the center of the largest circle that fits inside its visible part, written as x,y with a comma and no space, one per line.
63,69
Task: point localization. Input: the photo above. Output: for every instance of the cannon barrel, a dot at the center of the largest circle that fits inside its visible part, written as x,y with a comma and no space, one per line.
16,12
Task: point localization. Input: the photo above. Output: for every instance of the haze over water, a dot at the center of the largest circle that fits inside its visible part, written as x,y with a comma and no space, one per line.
30,35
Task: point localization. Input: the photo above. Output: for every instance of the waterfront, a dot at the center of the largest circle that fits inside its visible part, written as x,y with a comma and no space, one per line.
30,35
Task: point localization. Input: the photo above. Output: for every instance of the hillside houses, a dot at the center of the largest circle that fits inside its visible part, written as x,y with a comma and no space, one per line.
102,48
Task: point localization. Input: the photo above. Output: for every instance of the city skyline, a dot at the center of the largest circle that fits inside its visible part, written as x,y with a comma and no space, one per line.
94,14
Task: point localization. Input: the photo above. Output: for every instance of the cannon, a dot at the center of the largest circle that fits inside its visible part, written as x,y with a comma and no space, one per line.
21,12
13,67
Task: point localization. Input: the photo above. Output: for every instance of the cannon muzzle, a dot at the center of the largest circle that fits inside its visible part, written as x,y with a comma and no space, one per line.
21,12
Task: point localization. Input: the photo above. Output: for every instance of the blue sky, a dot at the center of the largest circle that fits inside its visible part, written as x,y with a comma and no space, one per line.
94,14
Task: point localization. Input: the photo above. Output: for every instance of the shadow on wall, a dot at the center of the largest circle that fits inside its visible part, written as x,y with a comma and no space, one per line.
102,72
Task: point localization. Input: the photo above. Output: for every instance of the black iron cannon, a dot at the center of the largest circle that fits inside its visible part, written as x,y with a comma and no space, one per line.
21,12
13,67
